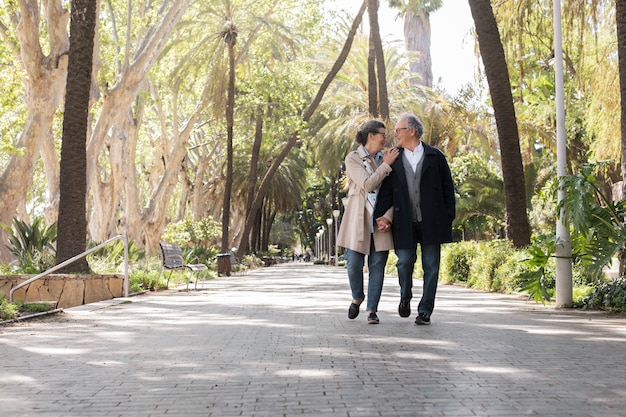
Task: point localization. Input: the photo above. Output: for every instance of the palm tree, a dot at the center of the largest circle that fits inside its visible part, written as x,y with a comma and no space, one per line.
72,224
229,34
620,18
492,52
417,35
377,74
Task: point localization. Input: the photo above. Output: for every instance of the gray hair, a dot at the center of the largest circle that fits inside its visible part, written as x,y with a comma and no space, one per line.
413,122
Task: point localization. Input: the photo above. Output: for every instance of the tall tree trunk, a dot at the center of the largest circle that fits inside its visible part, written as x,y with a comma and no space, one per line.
417,36
254,162
377,45
265,183
372,83
45,83
230,38
620,19
72,227
492,52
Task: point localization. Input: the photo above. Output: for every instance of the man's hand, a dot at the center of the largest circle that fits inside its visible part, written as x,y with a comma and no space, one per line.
383,224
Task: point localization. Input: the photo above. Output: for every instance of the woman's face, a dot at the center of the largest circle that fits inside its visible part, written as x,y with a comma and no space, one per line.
377,140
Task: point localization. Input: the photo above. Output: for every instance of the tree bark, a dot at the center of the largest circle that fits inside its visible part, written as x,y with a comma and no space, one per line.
72,227
620,19
381,71
496,70
45,88
417,36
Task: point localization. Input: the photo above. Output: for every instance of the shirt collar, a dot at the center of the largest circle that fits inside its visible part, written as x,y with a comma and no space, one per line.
377,158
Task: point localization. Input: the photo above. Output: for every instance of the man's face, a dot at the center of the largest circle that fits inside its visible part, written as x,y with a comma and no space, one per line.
402,133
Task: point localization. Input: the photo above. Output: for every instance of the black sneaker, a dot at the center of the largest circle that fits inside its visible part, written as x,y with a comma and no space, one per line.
423,319
353,311
372,318
404,309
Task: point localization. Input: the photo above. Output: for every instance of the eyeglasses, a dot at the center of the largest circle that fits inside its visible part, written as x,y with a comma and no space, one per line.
380,133
399,129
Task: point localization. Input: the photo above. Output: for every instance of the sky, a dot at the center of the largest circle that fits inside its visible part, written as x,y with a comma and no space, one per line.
452,44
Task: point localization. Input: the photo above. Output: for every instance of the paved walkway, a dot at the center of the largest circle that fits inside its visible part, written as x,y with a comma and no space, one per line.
277,342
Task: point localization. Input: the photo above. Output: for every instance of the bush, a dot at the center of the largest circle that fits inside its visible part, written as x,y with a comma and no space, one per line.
608,296
8,310
32,245
456,259
489,256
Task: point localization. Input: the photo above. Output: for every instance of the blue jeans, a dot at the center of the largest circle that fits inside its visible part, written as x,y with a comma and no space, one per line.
376,262
431,256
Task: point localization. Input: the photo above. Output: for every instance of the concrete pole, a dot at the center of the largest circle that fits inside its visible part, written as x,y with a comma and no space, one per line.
563,242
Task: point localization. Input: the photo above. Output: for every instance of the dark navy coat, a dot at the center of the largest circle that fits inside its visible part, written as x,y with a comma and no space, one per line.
437,200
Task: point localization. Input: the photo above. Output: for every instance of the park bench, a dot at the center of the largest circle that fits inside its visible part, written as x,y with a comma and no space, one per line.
172,260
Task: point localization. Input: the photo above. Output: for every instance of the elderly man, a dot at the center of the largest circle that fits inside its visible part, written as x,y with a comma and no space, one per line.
421,192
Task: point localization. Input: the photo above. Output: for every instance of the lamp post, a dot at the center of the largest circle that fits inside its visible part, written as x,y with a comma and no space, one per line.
329,222
336,216
321,243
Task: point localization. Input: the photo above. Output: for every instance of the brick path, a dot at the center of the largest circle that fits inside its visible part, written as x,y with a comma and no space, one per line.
277,342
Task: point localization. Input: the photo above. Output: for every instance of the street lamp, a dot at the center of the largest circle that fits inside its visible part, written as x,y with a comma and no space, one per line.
336,216
329,222
321,243
317,245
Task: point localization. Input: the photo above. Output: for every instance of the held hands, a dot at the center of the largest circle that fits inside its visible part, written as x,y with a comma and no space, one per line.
391,155
383,224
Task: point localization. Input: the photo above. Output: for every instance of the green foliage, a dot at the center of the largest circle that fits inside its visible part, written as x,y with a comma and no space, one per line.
487,258
8,310
536,280
111,257
608,296
599,224
146,280
315,209
32,245
456,260
480,196
198,239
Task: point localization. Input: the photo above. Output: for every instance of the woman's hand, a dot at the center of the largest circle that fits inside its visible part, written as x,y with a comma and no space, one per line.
391,155
383,224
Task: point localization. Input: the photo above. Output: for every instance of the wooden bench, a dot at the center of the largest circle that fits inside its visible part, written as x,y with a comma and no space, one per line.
172,260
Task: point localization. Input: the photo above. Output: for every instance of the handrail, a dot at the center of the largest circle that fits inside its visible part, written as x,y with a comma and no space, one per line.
75,258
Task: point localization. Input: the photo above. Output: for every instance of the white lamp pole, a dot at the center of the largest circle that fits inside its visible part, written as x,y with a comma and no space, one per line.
336,216
563,242
329,222
322,243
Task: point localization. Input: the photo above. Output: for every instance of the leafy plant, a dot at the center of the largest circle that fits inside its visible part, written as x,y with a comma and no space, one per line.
598,231
610,296
8,310
32,245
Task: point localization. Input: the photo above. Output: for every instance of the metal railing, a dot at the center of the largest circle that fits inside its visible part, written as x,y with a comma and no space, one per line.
75,258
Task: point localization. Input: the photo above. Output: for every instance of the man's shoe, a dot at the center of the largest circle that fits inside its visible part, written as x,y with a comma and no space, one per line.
404,309
372,318
423,319
353,311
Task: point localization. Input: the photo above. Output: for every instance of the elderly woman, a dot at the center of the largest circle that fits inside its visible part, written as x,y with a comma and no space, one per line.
366,167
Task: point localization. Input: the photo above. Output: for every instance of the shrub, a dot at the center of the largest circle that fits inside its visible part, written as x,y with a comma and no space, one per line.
488,257
8,310
32,245
456,259
608,296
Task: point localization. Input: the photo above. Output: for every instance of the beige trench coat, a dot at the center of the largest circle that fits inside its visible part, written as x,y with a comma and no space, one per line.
354,232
